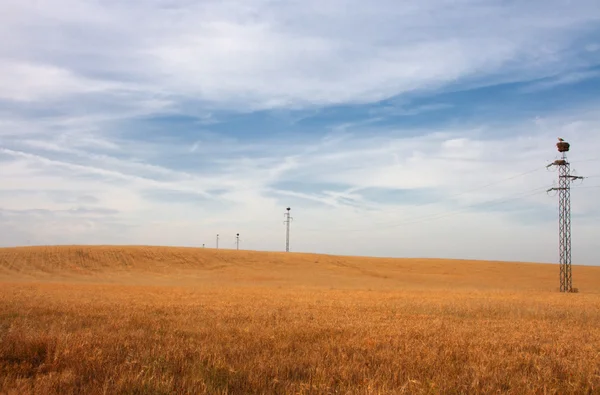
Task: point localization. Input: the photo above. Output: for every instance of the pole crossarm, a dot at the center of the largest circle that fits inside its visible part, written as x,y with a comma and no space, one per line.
571,177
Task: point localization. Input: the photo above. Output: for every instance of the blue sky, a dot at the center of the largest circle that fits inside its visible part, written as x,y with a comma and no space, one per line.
417,128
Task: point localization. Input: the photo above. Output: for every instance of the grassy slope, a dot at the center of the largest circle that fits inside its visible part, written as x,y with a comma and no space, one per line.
177,320
188,266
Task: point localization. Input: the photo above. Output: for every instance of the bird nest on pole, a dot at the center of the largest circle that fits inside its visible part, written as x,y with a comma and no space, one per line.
563,146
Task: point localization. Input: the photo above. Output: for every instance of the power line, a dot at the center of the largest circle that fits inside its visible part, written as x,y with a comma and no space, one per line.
498,182
380,223
439,215
434,217
490,203
479,188
587,160
392,211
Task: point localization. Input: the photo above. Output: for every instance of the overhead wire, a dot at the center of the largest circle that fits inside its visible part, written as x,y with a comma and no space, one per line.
586,160
533,192
492,203
432,217
495,182
447,198
487,204
439,215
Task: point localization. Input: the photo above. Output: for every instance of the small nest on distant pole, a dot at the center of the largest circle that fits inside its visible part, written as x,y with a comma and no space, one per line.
563,146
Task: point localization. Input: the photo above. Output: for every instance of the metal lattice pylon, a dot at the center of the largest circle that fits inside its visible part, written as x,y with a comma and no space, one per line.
564,215
564,232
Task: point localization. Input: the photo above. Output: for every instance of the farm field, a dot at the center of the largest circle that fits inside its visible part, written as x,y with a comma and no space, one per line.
116,319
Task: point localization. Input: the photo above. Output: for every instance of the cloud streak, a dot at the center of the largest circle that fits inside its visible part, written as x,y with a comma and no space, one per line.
262,54
170,121
459,174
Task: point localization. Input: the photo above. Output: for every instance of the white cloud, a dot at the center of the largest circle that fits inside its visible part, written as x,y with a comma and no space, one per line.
70,70
592,47
334,209
270,54
28,82
565,79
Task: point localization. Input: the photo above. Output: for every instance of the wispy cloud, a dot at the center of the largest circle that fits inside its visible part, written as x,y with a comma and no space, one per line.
170,121
28,82
337,180
263,54
564,79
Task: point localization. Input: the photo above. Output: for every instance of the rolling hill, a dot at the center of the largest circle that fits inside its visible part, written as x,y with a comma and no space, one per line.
139,319
210,267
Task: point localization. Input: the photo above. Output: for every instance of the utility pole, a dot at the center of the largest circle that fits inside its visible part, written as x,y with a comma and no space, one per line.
287,221
217,241
237,241
564,214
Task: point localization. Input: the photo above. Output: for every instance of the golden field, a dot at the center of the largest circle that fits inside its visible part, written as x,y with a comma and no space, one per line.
147,320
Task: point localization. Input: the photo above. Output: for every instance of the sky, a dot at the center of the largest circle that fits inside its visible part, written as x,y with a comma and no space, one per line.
398,129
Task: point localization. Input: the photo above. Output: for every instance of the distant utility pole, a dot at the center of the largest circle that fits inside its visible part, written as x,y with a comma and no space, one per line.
237,241
217,241
287,221
564,214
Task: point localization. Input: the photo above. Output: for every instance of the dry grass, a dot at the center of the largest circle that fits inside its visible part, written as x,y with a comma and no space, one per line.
74,320
209,267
